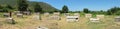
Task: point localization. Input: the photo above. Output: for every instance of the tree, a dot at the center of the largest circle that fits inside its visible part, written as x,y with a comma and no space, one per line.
113,10
1,7
9,7
37,8
65,9
22,5
85,10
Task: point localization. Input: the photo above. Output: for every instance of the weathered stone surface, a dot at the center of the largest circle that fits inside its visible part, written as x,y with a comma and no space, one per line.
19,15
117,19
72,18
41,27
10,20
54,17
27,13
94,19
6,15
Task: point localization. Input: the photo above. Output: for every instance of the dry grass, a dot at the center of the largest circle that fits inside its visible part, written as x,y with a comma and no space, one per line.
29,23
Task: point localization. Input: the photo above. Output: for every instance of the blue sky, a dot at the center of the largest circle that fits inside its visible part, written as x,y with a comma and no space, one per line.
78,5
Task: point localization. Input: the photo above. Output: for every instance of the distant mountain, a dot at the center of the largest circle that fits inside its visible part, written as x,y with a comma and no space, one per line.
45,6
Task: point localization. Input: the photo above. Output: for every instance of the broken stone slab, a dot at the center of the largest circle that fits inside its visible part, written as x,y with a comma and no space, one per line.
72,18
94,19
16,12
88,15
37,17
117,19
41,27
19,15
54,17
10,20
6,15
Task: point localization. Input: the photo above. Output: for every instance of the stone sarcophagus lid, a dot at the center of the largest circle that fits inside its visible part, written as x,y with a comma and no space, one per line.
72,18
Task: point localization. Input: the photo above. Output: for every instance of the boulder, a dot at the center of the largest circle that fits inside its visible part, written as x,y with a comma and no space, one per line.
10,20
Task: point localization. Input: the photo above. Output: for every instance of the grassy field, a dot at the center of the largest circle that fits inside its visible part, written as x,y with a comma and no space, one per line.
29,23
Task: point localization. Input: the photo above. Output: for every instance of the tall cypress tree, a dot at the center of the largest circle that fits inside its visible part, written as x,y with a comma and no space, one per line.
65,9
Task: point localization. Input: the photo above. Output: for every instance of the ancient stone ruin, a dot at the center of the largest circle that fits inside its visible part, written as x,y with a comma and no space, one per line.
72,18
6,15
41,27
55,16
10,20
117,19
19,15
94,19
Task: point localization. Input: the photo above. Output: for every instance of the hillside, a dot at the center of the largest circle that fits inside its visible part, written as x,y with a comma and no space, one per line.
45,6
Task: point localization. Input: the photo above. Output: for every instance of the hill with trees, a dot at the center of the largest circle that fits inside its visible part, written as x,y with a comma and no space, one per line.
14,3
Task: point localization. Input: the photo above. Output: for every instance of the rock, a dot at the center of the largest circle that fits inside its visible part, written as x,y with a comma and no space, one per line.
10,20
40,27
94,19
54,17
19,15
27,13
6,15
117,19
72,18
